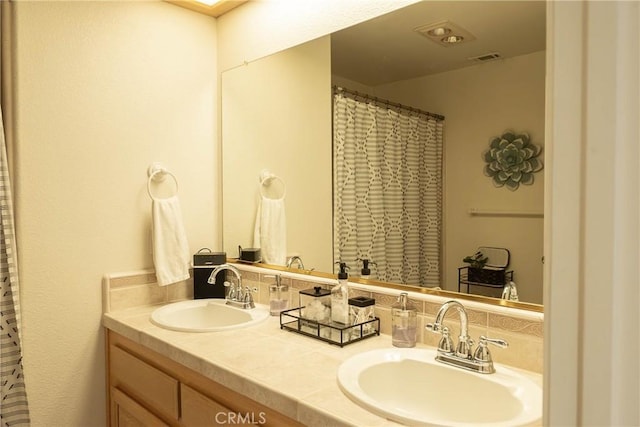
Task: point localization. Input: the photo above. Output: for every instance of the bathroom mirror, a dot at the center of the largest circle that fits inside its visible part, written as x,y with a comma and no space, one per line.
277,115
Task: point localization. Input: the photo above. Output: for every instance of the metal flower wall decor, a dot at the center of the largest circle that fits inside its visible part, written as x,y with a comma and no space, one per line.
512,160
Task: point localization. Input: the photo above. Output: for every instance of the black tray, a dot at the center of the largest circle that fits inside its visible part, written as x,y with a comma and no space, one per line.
331,332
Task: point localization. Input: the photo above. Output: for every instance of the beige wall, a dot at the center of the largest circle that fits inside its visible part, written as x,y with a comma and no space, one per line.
261,102
102,90
480,102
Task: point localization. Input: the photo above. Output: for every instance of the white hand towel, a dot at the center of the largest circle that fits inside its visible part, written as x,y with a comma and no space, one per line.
170,248
270,232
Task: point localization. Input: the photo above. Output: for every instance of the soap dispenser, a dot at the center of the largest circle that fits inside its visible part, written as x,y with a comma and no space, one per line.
365,272
340,297
404,322
278,296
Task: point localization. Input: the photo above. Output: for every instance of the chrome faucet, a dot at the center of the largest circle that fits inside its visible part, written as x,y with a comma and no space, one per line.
297,259
463,355
236,296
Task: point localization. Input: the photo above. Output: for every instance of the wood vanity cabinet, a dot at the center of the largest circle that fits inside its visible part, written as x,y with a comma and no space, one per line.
126,412
148,389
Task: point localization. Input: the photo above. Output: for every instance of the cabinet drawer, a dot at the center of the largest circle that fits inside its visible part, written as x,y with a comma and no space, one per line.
145,383
200,411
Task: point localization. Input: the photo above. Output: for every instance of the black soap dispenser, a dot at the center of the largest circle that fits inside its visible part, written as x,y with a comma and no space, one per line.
365,272
340,297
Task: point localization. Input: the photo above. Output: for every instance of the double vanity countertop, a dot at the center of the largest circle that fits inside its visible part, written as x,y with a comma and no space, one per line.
290,373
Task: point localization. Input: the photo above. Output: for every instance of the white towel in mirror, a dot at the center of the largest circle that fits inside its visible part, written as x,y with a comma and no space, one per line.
270,232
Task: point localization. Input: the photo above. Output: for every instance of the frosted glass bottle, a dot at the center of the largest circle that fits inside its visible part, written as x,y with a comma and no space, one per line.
278,296
404,322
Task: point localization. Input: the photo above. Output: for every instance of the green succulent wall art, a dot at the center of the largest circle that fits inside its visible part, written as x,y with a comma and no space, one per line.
512,160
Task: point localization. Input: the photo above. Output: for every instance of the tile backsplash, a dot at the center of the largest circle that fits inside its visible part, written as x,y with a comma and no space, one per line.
522,329
126,290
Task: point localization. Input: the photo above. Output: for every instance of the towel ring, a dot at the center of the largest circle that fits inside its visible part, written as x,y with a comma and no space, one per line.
157,173
266,178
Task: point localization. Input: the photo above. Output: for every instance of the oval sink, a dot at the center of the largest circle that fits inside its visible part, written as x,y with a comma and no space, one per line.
410,387
207,315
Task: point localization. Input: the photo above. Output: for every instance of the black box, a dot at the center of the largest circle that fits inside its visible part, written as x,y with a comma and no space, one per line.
492,276
203,265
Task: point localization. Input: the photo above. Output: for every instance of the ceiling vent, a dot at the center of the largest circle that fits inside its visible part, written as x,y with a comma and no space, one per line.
486,57
445,33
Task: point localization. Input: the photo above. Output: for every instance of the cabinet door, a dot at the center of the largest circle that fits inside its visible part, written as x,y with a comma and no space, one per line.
126,412
145,383
200,411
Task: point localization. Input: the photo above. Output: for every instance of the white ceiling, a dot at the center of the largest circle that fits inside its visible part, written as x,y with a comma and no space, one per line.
387,49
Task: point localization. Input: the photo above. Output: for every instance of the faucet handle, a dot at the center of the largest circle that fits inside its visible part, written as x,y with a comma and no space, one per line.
446,343
482,353
239,293
231,291
247,295
248,298
495,341
435,327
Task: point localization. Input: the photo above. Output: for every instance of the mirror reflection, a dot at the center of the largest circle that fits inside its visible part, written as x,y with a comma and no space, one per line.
387,188
277,115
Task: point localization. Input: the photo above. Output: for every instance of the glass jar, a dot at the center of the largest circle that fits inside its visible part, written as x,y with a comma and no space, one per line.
278,296
361,310
404,322
315,304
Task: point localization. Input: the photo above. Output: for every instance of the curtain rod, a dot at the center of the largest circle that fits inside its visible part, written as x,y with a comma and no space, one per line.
513,213
385,102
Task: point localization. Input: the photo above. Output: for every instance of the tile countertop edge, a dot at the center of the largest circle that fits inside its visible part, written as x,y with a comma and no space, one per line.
128,324
135,325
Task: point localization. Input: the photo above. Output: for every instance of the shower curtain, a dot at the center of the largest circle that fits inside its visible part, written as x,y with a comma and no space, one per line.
14,409
387,188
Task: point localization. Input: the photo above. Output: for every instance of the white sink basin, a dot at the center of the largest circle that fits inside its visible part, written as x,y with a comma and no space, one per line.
408,386
207,315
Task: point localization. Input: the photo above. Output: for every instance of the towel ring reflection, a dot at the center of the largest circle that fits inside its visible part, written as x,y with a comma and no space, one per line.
157,173
266,178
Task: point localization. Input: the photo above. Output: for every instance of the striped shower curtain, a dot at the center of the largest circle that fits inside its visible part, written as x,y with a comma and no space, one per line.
14,410
387,189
